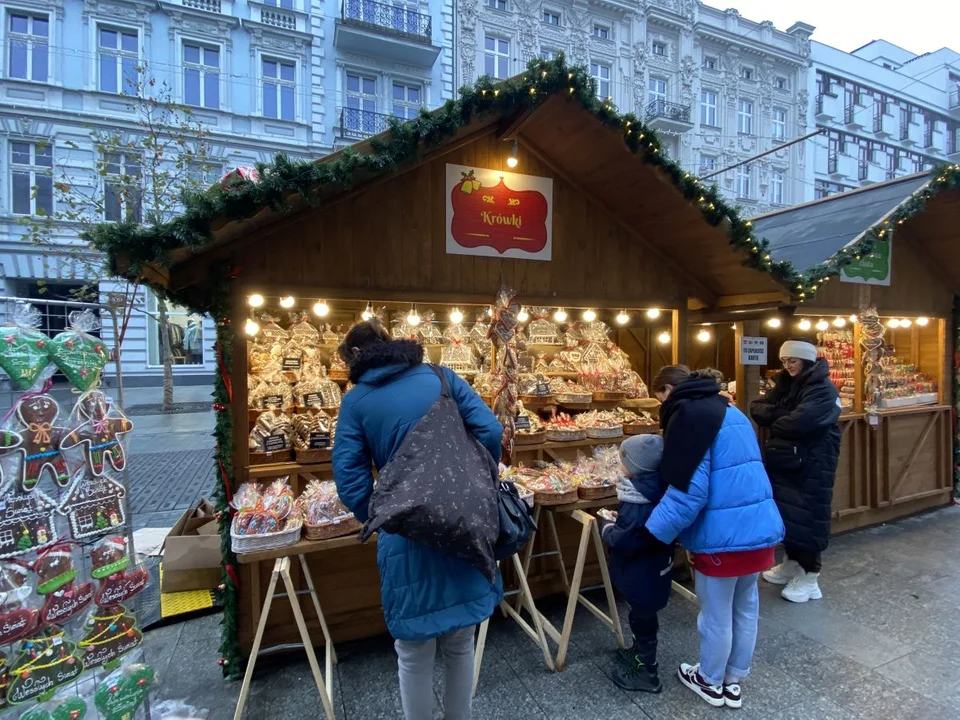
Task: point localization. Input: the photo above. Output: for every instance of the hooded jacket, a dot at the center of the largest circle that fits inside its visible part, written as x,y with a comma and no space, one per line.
804,411
424,594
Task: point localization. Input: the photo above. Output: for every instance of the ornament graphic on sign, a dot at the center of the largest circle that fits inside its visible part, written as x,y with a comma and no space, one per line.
498,214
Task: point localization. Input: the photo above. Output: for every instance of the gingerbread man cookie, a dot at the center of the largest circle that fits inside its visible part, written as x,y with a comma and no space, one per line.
101,432
41,441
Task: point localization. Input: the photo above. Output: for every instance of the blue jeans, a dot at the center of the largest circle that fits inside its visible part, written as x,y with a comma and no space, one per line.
416,661
729,611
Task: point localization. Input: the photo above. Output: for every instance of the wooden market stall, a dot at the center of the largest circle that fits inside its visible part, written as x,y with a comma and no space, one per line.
615,229
891,310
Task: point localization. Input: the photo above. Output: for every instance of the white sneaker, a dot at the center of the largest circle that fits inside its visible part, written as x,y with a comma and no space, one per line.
803,587
782,573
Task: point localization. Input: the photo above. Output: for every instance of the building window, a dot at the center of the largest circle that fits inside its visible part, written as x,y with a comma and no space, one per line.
708,164
746,73
119,58
548,54
551,17
29,49
201,76
122,191
659,48
601,31
31,168
279,88
202,175
497,5
361,112
496,60
656,91
709,63
601,75
779,124
743,182
708,108
285,4
781,83
776,187
745,117
407,100
185,331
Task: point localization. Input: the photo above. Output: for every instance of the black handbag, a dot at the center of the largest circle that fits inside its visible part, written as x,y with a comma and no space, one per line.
516,524
783,456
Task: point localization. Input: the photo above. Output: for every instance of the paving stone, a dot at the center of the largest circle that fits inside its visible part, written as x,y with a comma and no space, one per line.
936,677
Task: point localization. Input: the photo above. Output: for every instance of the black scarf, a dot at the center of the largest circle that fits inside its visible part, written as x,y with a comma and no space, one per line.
691,418
381,354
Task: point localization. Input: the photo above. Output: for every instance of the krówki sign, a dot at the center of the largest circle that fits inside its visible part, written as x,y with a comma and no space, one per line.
499,214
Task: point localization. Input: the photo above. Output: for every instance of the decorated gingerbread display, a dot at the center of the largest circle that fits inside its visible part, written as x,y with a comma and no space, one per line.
9,442
26,522
41,441
94,505
110,633
17,619
24,350
123,692
72,709
78,354
111,565
56,581
101,431
44,663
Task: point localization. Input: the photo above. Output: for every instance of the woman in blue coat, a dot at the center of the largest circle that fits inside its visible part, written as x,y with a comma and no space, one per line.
428,599
720,505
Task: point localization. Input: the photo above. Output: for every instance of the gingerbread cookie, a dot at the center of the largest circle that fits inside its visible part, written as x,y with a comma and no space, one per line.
17,619
101,431
78,354
123,692
64,597
110,634
111,566
71,709
94,505
24,350
45,662
26,522
41,441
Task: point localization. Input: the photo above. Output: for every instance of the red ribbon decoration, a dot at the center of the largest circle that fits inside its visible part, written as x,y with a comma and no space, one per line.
224,374
226,481
232,572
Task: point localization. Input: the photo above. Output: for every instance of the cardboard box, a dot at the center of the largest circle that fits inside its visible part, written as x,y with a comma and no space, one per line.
191,551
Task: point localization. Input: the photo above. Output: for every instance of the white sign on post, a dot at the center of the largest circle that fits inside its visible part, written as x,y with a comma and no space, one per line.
753,351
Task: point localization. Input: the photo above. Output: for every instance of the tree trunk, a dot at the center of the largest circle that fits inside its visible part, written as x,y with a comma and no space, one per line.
166,353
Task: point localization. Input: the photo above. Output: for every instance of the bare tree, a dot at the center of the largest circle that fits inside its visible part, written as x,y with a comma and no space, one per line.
141,170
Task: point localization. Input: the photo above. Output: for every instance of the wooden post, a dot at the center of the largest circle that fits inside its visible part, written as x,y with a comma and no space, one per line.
680,331
752,374
740,374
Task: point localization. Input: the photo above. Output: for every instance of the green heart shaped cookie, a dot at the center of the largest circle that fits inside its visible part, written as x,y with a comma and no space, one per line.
119,697
24,353
80,357
72,709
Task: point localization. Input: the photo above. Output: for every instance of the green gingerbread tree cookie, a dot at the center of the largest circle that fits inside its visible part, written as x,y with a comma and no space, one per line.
119,697
72,709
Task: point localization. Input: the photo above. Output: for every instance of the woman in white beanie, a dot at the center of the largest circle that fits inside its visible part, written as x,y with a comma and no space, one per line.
801,414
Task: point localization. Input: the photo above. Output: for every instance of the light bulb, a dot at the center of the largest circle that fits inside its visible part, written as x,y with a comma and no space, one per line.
490,312
589,315
413,319
839,322
906,322
822,325
287,302
774,322
893,323
523,315
251,328
923,322
805,325
623,318
653,313
703,336
456,316
512,162
560,315
852,318
255,300
663,338
321,309
367,312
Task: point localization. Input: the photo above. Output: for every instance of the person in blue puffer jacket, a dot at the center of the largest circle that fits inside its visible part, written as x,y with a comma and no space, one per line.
429,599
720,505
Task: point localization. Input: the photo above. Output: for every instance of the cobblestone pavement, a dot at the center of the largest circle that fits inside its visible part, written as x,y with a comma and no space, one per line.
164,484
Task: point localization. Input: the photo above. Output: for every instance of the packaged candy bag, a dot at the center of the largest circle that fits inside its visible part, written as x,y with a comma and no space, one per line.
24,350
78,354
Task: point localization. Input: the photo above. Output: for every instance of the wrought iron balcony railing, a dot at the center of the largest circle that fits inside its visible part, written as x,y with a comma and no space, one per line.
668,111
392,18
356,124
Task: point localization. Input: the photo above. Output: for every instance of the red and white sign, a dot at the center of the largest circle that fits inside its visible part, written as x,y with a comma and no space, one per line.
499,214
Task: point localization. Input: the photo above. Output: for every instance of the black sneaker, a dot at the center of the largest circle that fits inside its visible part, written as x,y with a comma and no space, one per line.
626,655
690,676
638,677
731,696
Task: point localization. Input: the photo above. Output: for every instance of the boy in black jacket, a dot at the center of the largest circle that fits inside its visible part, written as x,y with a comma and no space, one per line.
641,567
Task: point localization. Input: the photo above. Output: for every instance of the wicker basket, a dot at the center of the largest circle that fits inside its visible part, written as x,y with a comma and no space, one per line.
526,495
605,433
266,458
266,541
318,455
566,435
339,375
641,429
549,499
536,401
596,492
530,438
574,398
347,526
608,396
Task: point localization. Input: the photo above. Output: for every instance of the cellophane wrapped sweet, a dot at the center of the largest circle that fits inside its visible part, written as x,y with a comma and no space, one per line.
313,430
260,511
272,432
272,393
304,333
271,332
321,505
24,350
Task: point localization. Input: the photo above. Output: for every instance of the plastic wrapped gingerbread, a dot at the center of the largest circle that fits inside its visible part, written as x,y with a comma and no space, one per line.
111,566
41,441
101,431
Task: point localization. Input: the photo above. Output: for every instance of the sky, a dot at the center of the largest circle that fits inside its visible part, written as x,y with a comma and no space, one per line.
922,26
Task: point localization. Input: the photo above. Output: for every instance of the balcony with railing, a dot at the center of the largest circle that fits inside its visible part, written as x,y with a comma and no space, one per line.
221,7
954,101
665,115
393,32
357,124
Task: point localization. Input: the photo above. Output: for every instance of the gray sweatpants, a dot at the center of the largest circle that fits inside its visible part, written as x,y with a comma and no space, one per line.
415,660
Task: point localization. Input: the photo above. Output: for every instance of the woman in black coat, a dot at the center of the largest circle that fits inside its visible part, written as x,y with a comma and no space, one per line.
801,414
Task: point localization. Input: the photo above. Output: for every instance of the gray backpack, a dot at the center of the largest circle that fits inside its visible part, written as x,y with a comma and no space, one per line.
440,488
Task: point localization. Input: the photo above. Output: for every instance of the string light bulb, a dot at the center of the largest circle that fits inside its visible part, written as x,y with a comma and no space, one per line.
523,315
413,319
839,322
251,327
905,322
704,336
623,318
321,309
456,316
663,338
512,160
255,301
774,322
893,323
560,315
489,312
805,325
923,321
287,302
823,325
367,313
852,318
589,315
653,313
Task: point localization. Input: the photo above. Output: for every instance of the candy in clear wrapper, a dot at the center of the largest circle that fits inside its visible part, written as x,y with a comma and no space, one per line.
79,354
24,350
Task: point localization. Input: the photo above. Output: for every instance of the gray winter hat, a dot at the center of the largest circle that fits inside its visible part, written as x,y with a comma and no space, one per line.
641,453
